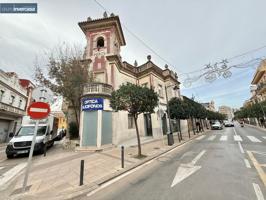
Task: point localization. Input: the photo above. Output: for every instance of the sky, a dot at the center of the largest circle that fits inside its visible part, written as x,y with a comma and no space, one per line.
187,34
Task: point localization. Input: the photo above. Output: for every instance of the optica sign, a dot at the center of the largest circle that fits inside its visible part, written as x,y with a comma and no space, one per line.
92,104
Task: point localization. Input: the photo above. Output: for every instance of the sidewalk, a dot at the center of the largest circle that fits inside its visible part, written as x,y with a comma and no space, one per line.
258,127
61,179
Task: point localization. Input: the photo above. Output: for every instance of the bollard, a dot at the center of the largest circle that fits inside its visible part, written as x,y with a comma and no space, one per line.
81,172
122,156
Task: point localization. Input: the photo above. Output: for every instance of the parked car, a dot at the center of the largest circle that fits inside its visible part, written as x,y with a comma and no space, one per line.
228,124
217,126
21,141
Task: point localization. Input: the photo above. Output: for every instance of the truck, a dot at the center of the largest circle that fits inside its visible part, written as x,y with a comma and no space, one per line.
22,139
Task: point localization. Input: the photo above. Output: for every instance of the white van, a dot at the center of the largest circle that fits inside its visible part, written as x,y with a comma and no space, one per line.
21,141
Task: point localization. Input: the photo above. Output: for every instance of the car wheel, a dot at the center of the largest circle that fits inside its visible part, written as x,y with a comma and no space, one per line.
10,156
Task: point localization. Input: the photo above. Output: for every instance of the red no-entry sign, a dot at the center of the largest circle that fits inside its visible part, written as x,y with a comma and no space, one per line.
39,110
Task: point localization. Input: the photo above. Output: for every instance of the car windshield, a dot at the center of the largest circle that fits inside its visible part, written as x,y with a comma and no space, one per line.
29,130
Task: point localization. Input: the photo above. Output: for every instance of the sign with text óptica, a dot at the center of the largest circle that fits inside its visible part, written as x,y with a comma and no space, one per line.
92,104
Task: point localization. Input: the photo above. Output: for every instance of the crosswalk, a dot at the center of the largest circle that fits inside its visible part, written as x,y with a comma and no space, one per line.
236,138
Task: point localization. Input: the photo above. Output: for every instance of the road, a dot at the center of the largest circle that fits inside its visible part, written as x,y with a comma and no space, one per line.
221,165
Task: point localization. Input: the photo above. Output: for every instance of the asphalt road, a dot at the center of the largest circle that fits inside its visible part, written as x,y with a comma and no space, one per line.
226,164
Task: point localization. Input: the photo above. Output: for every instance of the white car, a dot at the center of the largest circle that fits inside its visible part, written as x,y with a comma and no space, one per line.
217,126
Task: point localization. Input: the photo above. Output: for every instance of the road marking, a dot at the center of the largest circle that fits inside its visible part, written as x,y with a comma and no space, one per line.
258,191
253,139
258,167
211,138
200,137
240,147
223,138
235,131
264,137
247,163
185,170
10,174
237,138
2,168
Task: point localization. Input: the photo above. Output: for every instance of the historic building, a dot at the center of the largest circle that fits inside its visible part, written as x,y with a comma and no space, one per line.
209,105
14,93
99,125
226,110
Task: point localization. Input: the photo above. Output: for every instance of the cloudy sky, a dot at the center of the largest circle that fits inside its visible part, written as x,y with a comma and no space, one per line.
188,34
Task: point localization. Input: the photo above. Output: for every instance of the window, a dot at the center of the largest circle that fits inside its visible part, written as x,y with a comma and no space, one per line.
131,123
1,94
100,42
160,90
144,85
12,99
20,103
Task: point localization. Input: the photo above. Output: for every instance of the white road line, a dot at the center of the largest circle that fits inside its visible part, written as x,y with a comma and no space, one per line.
240,147
200,137
234,130
193,162
264,137
211,138
223,138
1,168
258,191
253,139
10,174
247,163
237,138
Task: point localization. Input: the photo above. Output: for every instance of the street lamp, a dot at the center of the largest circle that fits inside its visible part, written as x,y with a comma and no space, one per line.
170,138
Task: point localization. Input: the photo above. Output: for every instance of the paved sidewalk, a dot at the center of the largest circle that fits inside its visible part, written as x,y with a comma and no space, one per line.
61,174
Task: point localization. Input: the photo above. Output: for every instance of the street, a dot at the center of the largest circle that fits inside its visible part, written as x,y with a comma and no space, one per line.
218,165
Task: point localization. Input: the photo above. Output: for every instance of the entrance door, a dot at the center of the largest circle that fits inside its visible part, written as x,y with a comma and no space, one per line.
148,124
4,126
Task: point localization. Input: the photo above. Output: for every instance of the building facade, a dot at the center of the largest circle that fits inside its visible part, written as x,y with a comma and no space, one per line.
226,111
13,102
209,105
102,56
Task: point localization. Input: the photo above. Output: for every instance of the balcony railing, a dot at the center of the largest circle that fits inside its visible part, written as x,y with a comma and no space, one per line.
97,89
261,88
11,109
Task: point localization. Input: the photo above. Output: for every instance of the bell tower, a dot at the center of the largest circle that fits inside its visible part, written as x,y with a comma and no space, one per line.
104,38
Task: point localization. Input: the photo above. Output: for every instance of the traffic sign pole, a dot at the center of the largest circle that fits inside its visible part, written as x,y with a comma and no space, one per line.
30,156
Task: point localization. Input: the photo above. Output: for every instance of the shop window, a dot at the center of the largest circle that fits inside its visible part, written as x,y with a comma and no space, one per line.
131,123
100,42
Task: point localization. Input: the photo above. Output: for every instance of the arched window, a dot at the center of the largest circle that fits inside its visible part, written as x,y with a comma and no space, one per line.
100,42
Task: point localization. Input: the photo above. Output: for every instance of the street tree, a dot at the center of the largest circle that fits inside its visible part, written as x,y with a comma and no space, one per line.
135,100
65,74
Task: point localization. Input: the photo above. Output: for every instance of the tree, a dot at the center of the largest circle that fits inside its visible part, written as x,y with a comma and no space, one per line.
135,100
66,75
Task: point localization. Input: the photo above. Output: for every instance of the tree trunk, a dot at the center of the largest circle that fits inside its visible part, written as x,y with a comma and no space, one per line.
192,126
137,132
188,127
179,123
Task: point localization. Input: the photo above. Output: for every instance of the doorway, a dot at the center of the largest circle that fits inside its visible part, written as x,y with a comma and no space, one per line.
148,124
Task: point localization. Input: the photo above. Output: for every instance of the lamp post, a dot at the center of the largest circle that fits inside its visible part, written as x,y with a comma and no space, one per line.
170,138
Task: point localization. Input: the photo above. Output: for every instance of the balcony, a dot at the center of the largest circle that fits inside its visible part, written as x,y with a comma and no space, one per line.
11,109
100,89
261,88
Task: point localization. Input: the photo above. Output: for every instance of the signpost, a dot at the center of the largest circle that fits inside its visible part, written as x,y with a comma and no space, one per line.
37,111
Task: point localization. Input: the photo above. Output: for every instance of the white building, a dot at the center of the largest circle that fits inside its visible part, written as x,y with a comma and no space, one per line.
13,102
102,55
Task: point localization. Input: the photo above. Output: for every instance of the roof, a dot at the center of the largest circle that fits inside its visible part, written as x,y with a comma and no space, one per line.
259,72
145,68
103,23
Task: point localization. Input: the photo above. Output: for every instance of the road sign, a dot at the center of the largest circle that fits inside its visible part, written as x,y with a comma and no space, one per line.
39,110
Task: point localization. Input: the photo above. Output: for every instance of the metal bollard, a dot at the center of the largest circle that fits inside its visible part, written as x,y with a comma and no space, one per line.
122,156
81,172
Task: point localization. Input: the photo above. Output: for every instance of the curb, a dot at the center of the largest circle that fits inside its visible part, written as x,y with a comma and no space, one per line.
81,190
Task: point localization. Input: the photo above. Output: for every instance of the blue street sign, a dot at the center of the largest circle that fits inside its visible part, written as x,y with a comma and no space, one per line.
92,104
